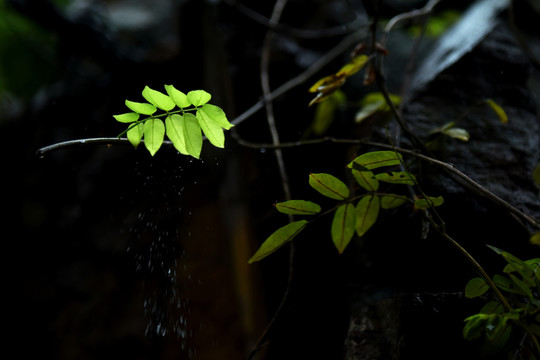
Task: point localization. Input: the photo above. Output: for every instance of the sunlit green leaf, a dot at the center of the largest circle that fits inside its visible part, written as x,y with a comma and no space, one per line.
154,132
185,134
343,226
476,287
428,202
499,111
325,111
127,118
158,99
367,211
391,201
397,177
135,134
212,130
179,98
298,207
198,97
279,238
366,179
216,114
376,159
141,108
329,186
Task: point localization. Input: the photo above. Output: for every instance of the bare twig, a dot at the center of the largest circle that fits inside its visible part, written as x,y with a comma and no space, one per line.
265,85
344,29
301,78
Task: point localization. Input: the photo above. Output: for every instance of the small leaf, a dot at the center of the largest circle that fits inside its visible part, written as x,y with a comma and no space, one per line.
154,132
474,327
355,65
373,103
127,118
491,307
367,211
198,97
397,177
391,201
535,238
135,134
366,179
158,99
329,186
141,108
368,110
279,238
536,174
298,207
179,98
476,287
457,133
499,111
343,226
376,159
185,134
325,111
215,114
212,130
428,202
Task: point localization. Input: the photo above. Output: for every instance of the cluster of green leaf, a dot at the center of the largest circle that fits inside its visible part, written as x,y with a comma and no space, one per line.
353,214
182,127
495,322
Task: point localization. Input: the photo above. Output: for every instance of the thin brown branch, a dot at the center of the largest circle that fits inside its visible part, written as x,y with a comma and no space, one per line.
339,30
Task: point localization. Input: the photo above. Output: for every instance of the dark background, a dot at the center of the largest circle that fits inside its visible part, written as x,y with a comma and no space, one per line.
112,253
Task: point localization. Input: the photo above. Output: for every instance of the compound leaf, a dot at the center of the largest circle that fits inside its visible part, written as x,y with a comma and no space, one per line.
198,97
298,207
179,98
376,159
343,226
135,134
476,287
367,211
278,238
366,179
154,132
397,177
329,186
158,99
127,117
141,108
215,114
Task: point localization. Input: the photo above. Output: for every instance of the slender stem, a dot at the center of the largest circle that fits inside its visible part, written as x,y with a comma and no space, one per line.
265,85
473,261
